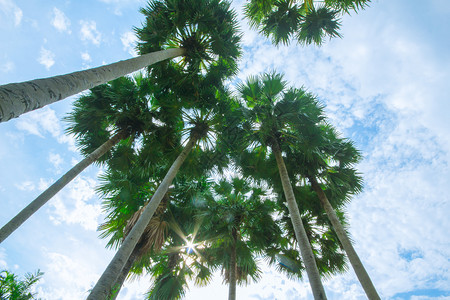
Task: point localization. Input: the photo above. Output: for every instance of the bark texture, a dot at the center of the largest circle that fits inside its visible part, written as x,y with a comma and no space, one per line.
357,265
300,233
233,268
105,283
117,286
43,198
19,98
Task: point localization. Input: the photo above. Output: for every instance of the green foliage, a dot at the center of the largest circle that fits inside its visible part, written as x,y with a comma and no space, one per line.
13,288
309,21
126,103
238,217
206,29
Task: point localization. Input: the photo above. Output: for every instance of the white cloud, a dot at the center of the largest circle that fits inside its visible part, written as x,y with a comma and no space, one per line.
118,5
44,184
56,160
129,40
3,264
26,186
75,206
9,9
60,272
40,122
44,121
46,58
18,14
85,56
60,21
7,67
89,32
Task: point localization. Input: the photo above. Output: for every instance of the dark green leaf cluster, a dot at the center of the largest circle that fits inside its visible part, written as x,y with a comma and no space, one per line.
308,22
125,104
206,29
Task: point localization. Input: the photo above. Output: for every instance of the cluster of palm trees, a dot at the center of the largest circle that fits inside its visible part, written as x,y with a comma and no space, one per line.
198,178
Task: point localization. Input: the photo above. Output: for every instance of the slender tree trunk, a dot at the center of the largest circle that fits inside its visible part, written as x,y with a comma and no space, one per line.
43,198
19,98
137,252
109,276
117,286
300,233
233,268
357,265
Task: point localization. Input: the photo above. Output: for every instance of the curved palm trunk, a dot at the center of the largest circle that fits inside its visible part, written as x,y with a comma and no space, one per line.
300,233
109,276
117,286
19,98
136,254
357,265
233,268
43,198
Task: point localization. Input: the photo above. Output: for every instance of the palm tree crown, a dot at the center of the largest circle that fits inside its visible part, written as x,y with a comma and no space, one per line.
308,21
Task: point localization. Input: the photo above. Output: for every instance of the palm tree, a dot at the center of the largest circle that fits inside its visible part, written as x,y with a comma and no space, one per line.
110,113
273,112
326,161
11,287
308,20
126,191
203,32
199,130
240,225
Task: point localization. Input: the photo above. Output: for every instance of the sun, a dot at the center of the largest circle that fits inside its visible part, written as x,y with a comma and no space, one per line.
190,247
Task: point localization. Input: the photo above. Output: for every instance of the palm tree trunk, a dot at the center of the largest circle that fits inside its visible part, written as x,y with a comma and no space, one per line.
300,233
233,268
109,276
123,274
43,198
19,98
357,265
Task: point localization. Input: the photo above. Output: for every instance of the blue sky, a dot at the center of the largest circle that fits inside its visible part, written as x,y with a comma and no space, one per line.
385,85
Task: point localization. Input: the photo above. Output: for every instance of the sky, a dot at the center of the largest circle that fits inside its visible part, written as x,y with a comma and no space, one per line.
384,84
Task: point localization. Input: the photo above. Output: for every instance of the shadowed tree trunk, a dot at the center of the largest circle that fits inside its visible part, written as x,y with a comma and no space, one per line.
139,249
233,268
124,273
43,198
19,98
357,265
300,233
105,284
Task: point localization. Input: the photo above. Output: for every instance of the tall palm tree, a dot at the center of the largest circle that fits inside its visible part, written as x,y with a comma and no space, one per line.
326,161
108,114
203,32
126,191
273,112
239,220
309,21
198,131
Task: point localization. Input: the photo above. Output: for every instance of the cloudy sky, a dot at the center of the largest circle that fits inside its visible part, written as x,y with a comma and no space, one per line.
385,84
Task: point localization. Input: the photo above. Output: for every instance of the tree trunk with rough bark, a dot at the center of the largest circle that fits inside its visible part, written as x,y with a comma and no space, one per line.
43,198
233,268
19,98
104,285
300,233
357,265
